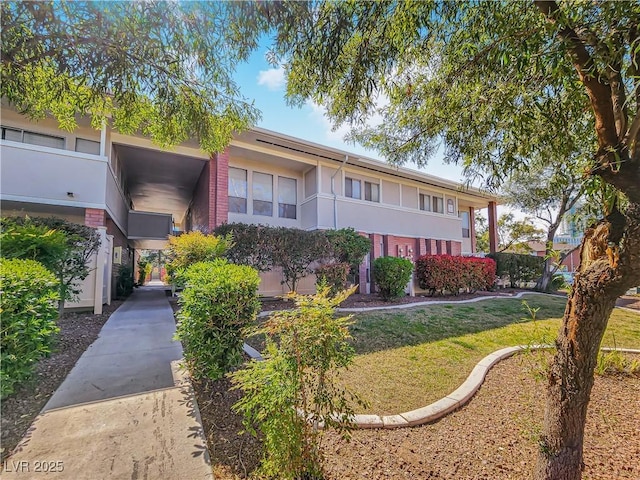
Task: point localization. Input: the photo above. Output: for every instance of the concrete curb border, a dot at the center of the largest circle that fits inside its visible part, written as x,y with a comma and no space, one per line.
459,396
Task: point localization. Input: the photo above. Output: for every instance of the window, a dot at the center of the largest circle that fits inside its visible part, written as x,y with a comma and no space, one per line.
352,188
262,194
437,204
466,230
17,135
87,146
371,192
451,206
425,202
237,190
287,197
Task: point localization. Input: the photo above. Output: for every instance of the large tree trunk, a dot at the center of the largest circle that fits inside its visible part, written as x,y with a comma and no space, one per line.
609,266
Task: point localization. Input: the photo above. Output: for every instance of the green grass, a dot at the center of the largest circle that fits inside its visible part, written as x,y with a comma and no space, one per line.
407,359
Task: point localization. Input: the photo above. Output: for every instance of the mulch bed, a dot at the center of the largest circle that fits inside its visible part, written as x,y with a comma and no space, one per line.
77,331
493,437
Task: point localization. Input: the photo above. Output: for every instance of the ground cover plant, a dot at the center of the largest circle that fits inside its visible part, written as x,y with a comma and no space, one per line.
407,359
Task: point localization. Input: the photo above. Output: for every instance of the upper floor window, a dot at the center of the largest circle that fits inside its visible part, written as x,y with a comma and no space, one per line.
371,192
287,197
437,204
451,206
18,135
352,188
237,190
87,146
466,228
262,194
425,202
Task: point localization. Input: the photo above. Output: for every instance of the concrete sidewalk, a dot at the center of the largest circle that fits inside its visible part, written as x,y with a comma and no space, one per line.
124,411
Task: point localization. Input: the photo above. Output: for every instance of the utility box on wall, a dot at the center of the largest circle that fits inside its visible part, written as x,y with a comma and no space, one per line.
117,255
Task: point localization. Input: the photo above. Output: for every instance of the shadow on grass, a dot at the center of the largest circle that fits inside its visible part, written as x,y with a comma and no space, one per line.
383,330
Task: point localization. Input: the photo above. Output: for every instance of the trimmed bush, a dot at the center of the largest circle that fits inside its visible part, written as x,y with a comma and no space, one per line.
333,275
218,304
124,285
391,275
251,244
192,247
348,246
448,273
28,306
519,268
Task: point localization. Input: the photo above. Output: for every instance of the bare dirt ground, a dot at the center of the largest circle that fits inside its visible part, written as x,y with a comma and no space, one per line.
77,332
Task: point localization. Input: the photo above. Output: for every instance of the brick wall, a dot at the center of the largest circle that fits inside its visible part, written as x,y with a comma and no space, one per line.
456,248
94,217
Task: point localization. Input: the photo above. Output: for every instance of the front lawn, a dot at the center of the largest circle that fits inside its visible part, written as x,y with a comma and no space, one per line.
410,358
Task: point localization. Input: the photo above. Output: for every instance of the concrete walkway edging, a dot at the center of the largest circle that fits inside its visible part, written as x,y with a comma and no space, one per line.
456,399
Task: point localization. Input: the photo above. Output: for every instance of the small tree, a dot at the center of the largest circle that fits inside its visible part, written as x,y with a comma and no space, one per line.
294,391
251,244
70,265
295,250
348,246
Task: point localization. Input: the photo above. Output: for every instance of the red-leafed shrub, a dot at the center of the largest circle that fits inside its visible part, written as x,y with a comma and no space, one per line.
447,273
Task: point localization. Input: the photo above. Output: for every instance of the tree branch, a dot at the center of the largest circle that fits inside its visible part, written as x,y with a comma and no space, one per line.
598,92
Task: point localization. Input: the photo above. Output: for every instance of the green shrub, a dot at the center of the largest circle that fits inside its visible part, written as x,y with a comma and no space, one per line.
144,269
190,248
391,275
348,246
295,390
251,244
519,268
333,275
124,284
218,304
28,309
71,266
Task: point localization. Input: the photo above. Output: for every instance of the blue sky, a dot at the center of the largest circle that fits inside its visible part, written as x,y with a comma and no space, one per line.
260,82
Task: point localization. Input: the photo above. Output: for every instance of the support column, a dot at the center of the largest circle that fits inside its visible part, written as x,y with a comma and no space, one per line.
94,217
472,229
493,227
219,189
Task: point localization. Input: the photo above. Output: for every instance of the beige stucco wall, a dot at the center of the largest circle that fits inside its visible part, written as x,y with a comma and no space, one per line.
380,218
409,196
310,182
390,192
46,175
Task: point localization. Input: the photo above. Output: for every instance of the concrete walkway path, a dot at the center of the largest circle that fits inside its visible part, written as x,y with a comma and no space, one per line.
124,411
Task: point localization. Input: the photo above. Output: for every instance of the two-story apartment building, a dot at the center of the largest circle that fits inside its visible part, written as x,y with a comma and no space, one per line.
138,193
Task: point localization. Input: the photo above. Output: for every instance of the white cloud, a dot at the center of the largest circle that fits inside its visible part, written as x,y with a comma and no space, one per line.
273,78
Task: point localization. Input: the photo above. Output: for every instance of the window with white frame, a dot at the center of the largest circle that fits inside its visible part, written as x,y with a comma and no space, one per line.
23,136
287,197
466,226
87,146
451,206
437,204
237,190
352,188
425,202
371,192
262,194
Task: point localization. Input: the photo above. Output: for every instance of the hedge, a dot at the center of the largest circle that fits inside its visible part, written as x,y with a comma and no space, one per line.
333,275
447,273
28,306
391,275
218,304
519,268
